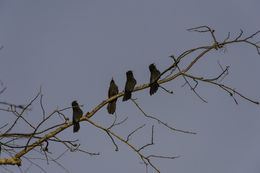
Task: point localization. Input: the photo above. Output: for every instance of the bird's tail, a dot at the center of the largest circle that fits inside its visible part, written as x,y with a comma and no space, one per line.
127,96
111,107
76,127
153,88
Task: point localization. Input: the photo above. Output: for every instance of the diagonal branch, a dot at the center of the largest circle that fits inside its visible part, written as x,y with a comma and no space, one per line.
161,122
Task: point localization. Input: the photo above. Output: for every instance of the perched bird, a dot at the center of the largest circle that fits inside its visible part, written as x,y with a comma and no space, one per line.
129,85
77,114
113,90
154,78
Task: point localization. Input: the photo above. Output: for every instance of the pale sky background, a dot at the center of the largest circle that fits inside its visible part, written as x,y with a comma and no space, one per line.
73,49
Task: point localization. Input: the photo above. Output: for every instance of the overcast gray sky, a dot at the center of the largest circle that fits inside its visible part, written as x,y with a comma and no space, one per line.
73,49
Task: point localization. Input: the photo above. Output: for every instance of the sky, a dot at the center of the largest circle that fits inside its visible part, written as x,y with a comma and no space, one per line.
72,49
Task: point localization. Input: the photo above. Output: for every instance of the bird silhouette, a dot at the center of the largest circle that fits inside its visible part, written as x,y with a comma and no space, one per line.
155,73
77,114
113,90
129,85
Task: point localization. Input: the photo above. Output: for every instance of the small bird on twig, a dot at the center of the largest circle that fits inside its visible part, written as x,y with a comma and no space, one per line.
155,73
129,85
77,114
113,90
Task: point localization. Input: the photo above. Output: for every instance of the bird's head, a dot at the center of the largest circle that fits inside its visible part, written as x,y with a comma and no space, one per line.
152,67
129,73
74,103
112,80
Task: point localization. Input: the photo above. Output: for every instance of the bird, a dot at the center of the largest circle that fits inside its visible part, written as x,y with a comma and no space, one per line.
77,114
155,74
129,85
113,90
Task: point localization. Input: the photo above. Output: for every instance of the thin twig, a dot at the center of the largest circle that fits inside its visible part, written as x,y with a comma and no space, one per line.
112,139
141,148
130,134
159,121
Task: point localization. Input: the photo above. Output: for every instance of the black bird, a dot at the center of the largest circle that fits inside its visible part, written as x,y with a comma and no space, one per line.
77,114
113,90
129,85
155,73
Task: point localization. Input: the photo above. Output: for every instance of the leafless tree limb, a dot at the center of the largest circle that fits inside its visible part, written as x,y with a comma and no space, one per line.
20,115
47,136
130,134
146,145
124,141
226,88
161,122
115,123
163,157
112,139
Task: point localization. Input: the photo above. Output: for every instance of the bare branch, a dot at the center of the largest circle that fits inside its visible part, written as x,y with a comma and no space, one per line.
228,36
222,86
128,137
43,111
89,153
251,36
48,135
163,157
240,34
124,141
148,143
192,88
29,160
115,123
223,72
203,28
159,121
13,106
21,114
112,139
